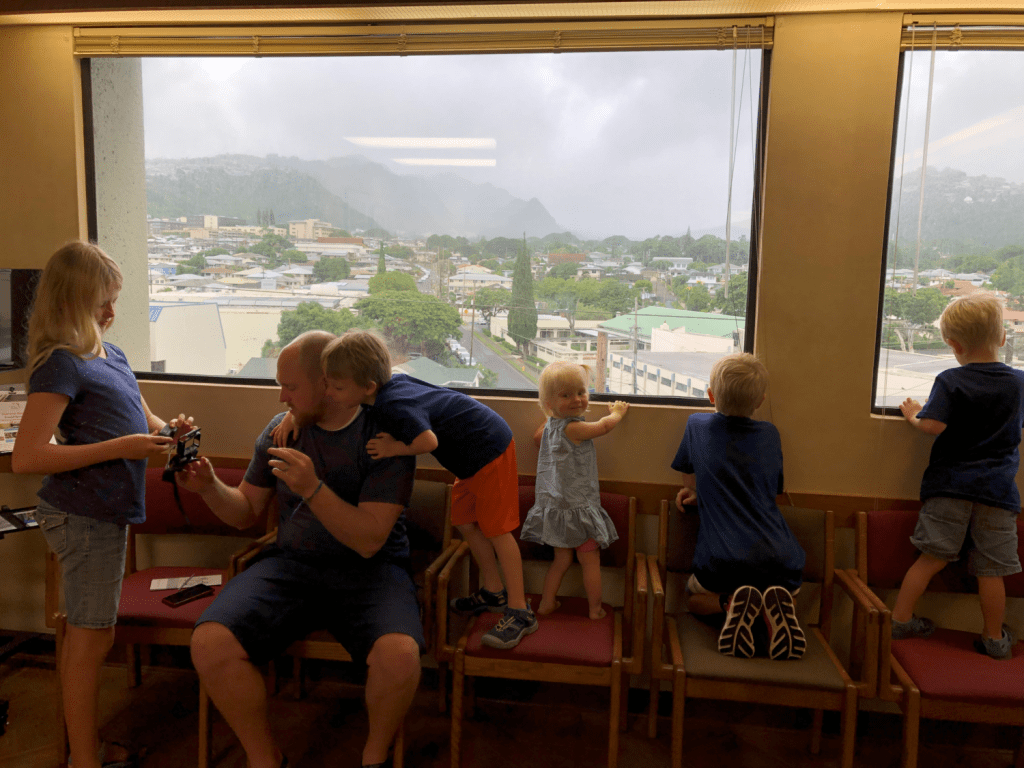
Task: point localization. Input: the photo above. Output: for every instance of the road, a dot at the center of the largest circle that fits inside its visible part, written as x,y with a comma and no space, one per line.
509,377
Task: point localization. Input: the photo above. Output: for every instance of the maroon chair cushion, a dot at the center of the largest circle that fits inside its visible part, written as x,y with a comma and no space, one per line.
567,636
142,606
163,515
977,678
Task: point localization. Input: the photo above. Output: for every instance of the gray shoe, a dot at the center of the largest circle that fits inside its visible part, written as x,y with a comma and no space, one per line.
1000,649
918,626
511,628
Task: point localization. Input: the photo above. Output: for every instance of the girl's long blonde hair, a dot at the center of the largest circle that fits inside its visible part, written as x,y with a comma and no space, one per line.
73,282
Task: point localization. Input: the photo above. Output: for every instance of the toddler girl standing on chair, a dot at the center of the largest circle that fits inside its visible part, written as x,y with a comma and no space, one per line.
568,514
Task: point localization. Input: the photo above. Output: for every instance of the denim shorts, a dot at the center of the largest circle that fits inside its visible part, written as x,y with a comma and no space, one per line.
942,526
91,555
282,598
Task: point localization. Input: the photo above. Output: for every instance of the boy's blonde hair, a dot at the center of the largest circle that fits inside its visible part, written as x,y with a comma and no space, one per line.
358,355
975,321
739,383
557,375
73,283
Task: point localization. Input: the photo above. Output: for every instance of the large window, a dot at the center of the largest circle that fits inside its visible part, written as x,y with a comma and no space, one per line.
488,213
959,134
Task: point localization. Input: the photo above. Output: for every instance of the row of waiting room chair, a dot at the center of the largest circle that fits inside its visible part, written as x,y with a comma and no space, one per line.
939,678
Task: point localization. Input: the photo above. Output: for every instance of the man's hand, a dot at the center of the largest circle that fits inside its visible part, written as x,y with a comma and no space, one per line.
295,468
686,497
383,446
197,476
287,429
910,408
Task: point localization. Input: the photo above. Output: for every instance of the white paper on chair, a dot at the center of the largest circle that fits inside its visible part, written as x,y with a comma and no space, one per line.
212,580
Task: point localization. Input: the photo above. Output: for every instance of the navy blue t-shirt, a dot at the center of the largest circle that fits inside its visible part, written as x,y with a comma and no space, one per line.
976,456
105,403
738,465
340,459
469,434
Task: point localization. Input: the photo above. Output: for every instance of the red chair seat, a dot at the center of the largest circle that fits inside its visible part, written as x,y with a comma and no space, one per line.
142,606
979,679
567,636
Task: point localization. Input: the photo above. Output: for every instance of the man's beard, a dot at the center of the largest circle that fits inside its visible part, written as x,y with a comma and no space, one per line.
305,418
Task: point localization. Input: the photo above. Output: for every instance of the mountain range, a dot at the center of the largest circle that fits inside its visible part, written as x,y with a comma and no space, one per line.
349,192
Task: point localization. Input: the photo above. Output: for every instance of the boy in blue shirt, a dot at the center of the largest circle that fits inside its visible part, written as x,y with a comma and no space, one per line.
471,441
976,412
746,563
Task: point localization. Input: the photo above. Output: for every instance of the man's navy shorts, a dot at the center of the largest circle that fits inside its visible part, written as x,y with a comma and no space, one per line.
282,598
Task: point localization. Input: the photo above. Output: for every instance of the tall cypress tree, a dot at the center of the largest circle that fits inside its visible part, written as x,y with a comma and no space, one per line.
522,317
382,266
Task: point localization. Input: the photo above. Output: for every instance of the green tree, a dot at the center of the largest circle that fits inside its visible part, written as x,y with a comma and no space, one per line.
491,264
331,269
193,266
382,266
736,303
313,316
566,270
699,298
338,233
1009,276
411,319
490,300
399,251
391,281
522,317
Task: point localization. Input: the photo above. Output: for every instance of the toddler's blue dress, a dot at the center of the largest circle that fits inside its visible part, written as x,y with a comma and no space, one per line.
567,510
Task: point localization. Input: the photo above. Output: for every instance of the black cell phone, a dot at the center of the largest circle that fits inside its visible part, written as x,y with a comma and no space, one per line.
187,595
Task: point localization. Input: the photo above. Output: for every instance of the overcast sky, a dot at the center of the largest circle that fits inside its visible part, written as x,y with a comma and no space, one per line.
627,143
623,143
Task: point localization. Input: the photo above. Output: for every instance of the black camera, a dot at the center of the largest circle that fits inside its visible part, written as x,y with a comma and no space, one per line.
186,451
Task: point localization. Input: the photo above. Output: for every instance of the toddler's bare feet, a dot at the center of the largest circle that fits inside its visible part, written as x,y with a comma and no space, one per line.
544,609
601,613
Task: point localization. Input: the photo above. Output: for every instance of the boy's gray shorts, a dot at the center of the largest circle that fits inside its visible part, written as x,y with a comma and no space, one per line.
942,526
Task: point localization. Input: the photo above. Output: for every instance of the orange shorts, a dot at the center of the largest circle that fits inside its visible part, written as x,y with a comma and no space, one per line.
490,498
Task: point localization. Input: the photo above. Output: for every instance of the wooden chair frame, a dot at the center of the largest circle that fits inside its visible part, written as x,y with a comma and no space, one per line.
665,633
895,685
627,658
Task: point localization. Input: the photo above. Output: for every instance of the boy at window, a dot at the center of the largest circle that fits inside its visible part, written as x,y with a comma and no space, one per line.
747,564
976,412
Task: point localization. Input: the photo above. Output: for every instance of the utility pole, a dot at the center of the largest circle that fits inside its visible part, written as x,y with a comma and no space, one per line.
636,337
472,328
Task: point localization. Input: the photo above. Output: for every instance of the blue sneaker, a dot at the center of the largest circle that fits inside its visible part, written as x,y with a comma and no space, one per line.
918,626
1000,649
511,628
481,601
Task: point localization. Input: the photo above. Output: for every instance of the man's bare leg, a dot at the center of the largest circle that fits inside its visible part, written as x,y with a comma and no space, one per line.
391,682
237,688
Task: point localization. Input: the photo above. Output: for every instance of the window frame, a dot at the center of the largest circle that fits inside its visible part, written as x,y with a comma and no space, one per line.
576,35
951,33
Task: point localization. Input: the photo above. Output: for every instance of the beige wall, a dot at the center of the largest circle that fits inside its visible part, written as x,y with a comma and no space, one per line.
830,121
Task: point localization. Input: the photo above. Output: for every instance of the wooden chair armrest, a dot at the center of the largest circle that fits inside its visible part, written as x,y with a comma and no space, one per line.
857,591
878,652
868,593
430,578
443,650
639,618
657,616
241,559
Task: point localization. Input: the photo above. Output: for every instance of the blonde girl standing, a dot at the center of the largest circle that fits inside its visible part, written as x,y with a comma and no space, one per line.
83,390
567,514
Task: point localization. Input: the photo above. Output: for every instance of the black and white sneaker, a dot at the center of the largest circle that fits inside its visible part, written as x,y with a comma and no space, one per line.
481,601
786,638
737,635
